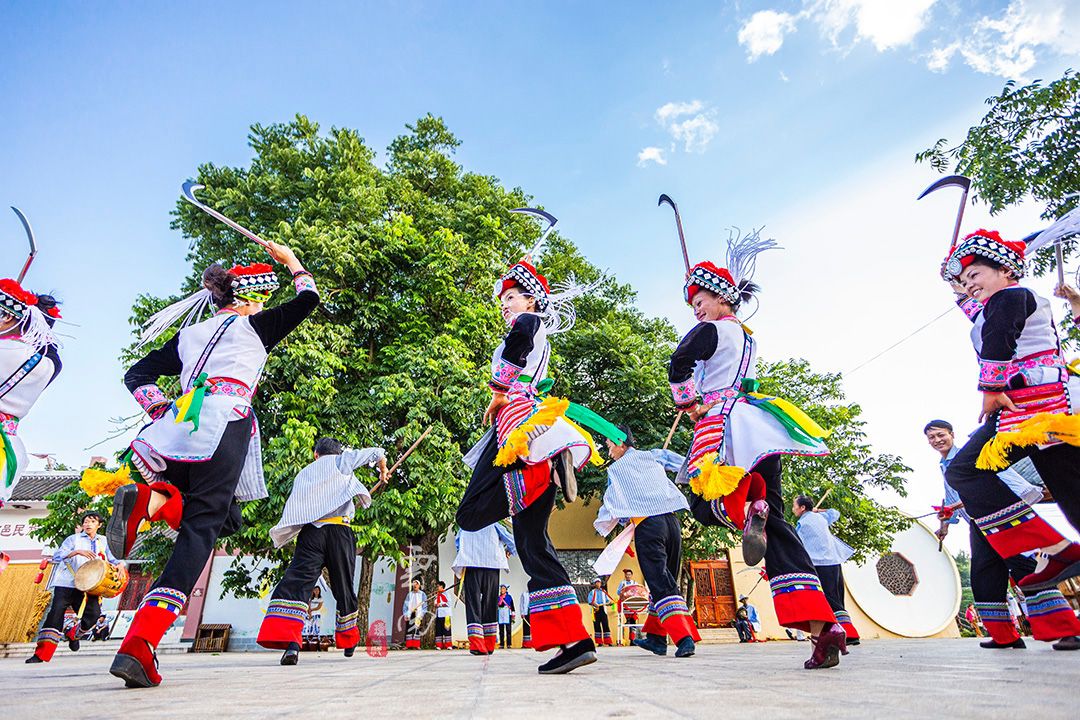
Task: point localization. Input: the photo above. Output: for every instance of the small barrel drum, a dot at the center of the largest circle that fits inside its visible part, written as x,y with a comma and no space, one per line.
99,577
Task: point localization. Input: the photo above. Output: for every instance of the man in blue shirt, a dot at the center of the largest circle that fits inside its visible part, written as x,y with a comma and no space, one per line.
989,572
77,549
828,553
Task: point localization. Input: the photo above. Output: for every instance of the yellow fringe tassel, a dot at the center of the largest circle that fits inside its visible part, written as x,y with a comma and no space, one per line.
1040,429
102,482
517,443
715,480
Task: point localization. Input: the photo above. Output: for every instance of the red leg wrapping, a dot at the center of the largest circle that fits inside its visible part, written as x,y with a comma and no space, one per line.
346,634
798,600
652,625
675,617
47,640
1017,529
1050,616
282,624
556,618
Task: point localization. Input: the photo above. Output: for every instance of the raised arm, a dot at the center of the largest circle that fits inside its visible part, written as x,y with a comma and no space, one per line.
141,378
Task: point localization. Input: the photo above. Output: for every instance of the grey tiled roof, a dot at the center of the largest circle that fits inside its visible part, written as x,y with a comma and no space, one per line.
35,485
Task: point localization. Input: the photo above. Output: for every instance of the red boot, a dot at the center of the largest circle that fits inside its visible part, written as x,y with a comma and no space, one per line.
136,662
131,507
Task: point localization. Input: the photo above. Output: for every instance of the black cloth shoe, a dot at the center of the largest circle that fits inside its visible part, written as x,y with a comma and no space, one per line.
656,644
853,643
74,645
1018,643
349,651
1067,643
33,659
478,652
577,655
686,647
291,655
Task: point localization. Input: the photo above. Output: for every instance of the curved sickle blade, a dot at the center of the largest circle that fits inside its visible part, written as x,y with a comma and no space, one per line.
960,181
188,191
33,243
666,200
540,215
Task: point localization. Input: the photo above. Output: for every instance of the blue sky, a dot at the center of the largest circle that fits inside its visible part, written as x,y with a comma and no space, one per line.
802,115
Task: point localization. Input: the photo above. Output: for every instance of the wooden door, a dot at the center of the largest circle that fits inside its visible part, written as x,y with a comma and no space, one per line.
22,602
714,593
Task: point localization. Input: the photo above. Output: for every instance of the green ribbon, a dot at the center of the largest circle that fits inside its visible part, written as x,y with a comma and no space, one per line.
579,413
195,408
10,461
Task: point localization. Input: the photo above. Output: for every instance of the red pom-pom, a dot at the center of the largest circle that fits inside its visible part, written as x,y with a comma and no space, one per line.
12,288
252,269
54,312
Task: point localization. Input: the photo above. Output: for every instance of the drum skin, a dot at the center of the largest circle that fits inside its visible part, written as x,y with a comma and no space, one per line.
913,591
98,577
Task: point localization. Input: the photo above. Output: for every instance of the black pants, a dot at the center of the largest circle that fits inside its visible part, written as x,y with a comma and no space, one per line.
329,546
102,634
481,597
538,556
210,509
832,583
600,626
68,597
743,628
504,635
984,493
658,540
784,552
990,573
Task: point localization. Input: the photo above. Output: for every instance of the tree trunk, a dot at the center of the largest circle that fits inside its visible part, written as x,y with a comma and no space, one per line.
429,577
363,605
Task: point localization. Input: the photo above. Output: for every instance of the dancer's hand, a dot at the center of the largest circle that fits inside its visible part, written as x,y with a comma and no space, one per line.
1067,292
498,402
284,255
699,411
994,401
384,472
942,531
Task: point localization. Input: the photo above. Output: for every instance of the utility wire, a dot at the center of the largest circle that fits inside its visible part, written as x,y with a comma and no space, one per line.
902,340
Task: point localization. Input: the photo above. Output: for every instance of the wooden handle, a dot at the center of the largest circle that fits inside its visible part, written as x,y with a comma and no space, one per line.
671,432
408,452
823,498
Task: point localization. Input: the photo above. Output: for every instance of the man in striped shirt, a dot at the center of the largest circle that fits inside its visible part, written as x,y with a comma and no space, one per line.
828,553
318,514
640,492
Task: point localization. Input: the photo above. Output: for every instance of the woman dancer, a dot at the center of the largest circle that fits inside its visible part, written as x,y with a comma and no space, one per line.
202,450
29,362
739,435
533,444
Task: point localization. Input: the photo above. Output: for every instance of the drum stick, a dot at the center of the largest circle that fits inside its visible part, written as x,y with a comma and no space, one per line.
671,432
823,498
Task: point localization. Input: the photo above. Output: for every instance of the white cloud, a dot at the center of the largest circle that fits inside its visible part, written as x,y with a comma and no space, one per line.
688,123
763,33
885,23
939,58
669,111
784,77
651,154
1007,45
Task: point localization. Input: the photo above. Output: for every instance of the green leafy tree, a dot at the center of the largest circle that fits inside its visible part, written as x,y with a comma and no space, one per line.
1025,146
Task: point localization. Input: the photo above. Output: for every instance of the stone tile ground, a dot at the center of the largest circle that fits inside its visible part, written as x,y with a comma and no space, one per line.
880,679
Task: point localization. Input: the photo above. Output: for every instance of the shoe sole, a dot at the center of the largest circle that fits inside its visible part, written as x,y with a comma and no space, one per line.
661,653
1070,572
587,658
680,654
290,659
131,672
832,659
567,478
754,541
116,530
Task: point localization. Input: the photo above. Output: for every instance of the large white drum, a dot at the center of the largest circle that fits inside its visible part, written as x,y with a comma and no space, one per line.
912,591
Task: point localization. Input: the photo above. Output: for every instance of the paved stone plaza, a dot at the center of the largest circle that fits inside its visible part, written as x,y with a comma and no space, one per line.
880,679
